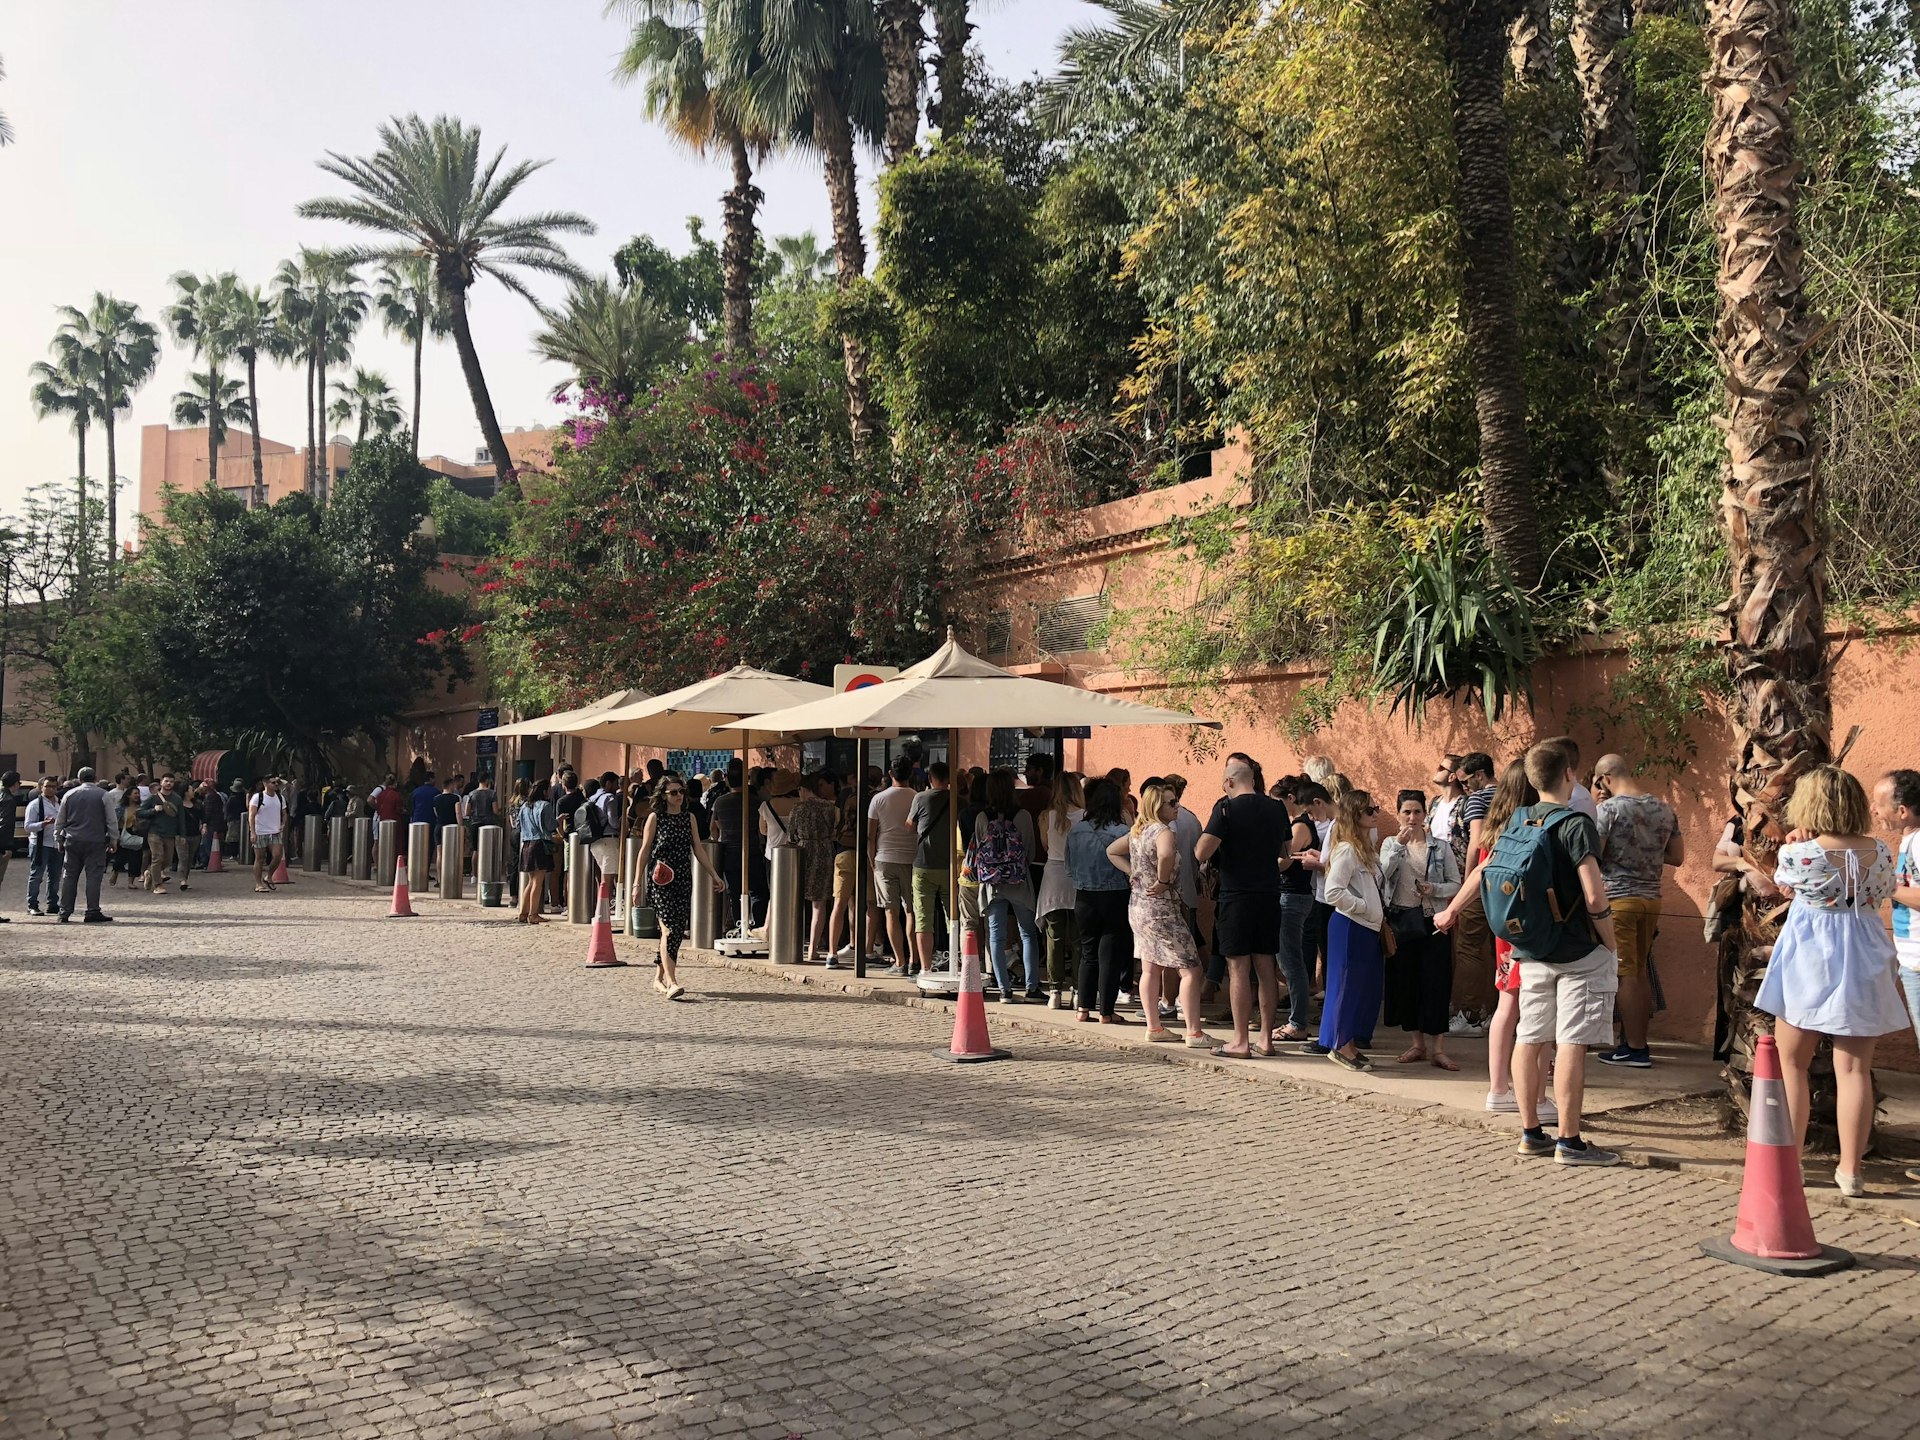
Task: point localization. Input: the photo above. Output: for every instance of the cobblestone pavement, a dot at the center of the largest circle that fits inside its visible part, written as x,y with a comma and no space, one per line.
286,1167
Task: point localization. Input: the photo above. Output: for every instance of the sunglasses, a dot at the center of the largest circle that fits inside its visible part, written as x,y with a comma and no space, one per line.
672,793
1373,809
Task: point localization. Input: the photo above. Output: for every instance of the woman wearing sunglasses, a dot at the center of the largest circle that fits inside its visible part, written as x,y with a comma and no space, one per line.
669,850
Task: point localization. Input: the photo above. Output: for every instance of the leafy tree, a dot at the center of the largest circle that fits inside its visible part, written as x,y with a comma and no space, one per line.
429,190
411,306
613,340
464,525
366,402
48,606
689,287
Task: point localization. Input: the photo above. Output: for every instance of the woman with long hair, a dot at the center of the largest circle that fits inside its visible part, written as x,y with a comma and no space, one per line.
1833,969
1354,975
1099,904
669,850
533,823
811,825
1063,812
1419,877
1151,859
1004,844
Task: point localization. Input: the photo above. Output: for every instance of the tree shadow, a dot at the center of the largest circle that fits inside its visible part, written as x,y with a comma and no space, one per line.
175,967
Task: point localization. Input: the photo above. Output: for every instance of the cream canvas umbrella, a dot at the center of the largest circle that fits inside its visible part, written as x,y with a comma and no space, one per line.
686,719
558,722
954,690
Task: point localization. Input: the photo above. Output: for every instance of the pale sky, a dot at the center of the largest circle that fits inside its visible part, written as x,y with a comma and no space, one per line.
154,136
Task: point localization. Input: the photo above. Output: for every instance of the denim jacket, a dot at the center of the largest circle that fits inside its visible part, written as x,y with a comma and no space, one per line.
1087,858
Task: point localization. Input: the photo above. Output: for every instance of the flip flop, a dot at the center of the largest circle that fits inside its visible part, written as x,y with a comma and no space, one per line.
1221,1052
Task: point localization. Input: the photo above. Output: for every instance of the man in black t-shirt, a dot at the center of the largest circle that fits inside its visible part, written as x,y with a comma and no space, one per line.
1246,838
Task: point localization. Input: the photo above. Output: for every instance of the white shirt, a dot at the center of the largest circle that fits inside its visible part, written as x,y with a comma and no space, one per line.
267,810
887,812
1353,888
1440,818
1321,828
1582,800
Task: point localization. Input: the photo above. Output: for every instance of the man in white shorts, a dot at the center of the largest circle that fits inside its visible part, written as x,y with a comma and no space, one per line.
892,843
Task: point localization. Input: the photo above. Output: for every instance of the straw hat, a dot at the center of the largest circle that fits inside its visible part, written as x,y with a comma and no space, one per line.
784,782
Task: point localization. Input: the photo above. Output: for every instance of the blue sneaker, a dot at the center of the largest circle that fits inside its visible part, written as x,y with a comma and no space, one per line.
1534,1143
1612,1055
1634,1059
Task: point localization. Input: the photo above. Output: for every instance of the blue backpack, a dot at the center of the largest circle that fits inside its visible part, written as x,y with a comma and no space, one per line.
1517,886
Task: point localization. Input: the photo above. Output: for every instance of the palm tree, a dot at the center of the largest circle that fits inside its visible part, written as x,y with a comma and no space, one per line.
320,301
66,386
952,33
198,320
799,260
612,338
1770,485
125,350
6,127
429,189
213,401
817,65
1475,35
1141,44
250,327
1604,70
668,48
1530,44
902,33
367,401
411,307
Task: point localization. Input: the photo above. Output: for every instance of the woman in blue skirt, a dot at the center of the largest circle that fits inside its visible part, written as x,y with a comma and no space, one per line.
1355,969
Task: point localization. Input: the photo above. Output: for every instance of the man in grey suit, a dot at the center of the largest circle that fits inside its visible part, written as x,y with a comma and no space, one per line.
87,830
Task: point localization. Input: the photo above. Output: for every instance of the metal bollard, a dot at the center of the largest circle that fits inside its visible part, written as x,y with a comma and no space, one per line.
488,850
387,857
360,867
706,911
243,852
629,881
453,862
310,856
419,853
579,881
783,927
337,845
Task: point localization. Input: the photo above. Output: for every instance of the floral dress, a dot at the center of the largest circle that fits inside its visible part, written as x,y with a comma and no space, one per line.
1160,934
1832,969
812,826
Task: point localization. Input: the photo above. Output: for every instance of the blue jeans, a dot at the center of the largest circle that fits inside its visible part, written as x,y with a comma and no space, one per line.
1910,985
998,914
45,860
1296,965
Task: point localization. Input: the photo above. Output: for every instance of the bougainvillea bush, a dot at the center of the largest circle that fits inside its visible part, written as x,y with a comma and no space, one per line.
708,524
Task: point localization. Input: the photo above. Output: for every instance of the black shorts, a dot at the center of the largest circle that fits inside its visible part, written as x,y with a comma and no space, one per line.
1247,923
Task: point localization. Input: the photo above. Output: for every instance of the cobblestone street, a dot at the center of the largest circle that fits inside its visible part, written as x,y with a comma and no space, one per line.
280,1165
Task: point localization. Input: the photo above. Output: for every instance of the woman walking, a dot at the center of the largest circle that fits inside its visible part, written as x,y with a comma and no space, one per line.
1056,888
1353,934
1003,847
533,823
669,850
1832,972
1420,877
1151,859
811,826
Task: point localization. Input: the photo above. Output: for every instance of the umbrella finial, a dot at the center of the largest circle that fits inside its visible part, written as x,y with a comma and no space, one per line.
950,635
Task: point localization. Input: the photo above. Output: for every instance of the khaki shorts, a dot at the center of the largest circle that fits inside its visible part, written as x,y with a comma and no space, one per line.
929,893
1569,1003
1636,920
843,875
893,885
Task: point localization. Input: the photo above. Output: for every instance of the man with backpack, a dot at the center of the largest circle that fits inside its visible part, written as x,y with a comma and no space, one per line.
598,819
1545,894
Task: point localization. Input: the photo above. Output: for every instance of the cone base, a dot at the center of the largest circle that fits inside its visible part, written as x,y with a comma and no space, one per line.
605,965
973,1058
410,915
1827,1262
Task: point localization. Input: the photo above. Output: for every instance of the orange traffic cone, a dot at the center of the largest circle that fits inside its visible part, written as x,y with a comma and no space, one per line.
600,954
280,875
214,867
402,902
1773,1231
970,1042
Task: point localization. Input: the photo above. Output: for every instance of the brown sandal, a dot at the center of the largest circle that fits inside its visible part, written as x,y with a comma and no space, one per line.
1446,1062
1413,1055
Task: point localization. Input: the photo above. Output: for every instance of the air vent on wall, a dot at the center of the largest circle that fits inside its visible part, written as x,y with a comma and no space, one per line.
1065,626
999,633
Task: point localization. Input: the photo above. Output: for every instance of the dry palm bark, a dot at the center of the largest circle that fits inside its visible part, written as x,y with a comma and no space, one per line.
952,32
1530,44
901,37
1475,33
1776,622
833,135
738,209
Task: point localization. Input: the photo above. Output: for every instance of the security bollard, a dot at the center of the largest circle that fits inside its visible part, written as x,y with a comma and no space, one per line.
419,853
633,882
706,911
360,867
453,862
579,881
783,918
386,858
310,856
487,871
337,845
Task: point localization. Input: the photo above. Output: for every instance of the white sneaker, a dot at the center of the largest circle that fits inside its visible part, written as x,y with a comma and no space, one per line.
1461,1025
1850,1185
1503,1104
1549,1112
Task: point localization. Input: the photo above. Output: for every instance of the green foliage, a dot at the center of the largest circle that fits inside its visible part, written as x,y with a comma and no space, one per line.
464,525
690,287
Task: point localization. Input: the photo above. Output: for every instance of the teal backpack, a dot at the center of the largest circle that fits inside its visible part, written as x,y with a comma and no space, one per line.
1517,886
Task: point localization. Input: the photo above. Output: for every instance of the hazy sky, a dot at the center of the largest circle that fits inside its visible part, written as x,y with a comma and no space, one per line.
157,137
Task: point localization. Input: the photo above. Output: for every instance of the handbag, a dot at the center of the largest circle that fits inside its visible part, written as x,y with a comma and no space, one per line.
131,841
1407,924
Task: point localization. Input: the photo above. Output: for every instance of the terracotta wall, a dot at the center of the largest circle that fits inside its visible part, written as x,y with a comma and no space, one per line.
1119,552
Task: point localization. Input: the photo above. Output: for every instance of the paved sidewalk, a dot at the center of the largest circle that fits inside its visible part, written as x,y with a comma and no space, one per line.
282,1166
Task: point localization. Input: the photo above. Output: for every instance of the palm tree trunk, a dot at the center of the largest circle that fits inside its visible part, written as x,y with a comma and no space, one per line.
900,40
506,477
1475,32
311,470
253,420
834,136
736,252
419,349
1770,485
1530,44
952,30
323,460
113,463
214,422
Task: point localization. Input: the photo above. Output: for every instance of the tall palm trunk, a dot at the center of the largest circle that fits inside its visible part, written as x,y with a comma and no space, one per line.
1776,617
312,465
834,136
214,423
900,40
323,459
456,292
738,209
83,559
253,421
1476,39
113,460
419,349
1530,44
952,31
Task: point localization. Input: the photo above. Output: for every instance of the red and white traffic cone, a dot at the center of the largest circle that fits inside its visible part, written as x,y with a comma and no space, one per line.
600,955
971,1044
402,902
280,875
214,867
1773,1231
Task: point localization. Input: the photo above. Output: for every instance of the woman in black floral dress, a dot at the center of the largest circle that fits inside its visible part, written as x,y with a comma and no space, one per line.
669,850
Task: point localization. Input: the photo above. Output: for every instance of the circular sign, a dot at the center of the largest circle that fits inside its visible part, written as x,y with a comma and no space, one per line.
862,681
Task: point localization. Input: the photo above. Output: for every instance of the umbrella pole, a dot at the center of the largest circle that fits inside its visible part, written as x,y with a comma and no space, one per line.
625,887
956,937
859,924
745,926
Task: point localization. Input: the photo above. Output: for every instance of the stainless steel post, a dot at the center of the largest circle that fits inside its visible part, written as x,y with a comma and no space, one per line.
783,888
629,882
337,845
453,861
490,848
387,858
419,853
360,867
244,852
579,881
706,911
310,857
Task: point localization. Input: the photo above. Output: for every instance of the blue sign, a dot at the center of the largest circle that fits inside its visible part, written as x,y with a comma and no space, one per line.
486,745
487,720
